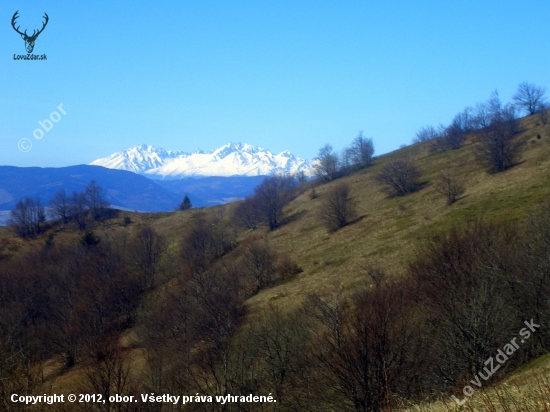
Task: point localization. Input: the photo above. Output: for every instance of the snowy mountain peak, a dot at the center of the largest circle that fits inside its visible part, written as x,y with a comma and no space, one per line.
137,159
232,159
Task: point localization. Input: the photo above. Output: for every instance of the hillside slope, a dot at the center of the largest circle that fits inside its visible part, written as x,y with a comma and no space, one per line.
389,232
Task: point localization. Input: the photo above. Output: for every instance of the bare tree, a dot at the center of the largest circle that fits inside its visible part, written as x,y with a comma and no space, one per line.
107,376
529,97
247,213
326,167
399,177
27,216
449,187
427,133
347,162
451,138
95,199
364,345
78,209
481,117
259,261
59,206
362,150
462,281
497,147
146,250
337,210
271,196
465,120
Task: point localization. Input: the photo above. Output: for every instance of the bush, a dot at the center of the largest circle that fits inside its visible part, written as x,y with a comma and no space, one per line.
449,187
287,267
336,209
452,138
497,147
399,178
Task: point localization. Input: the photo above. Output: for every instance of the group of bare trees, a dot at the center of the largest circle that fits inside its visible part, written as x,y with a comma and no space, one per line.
467,293
443,138
72,303
493,124
80,207
266,205
329,165
29,214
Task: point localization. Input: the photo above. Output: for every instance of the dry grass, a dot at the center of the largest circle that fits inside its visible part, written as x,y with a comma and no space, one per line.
525,391
388,232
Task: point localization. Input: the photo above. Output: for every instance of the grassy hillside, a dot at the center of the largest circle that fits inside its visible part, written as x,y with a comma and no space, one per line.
388,232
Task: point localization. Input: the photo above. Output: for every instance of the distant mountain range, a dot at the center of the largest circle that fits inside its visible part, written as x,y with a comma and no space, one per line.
148,179
122,188
232,159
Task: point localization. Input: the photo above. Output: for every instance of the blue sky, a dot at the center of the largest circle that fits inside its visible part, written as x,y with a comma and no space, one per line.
284,75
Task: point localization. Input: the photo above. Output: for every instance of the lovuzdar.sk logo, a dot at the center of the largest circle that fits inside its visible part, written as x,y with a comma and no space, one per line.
29,40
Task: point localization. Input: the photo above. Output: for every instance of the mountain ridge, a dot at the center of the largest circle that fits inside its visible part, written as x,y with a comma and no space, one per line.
231,159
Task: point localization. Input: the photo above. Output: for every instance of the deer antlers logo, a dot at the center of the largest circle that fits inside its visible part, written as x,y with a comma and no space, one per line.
29,40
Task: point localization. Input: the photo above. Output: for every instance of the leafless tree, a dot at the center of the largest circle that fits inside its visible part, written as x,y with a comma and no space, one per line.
427,133
78,209
259,261
497,146
59,206
337,209
346,161
27,216
271,196
107,376
529,97
399,177
465,120
463,281
327,165
491,111
364,346
362,150
481,117
95,199
146,250
247,213
450,187
451,138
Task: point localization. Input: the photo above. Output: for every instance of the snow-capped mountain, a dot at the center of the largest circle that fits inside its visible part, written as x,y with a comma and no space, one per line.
232,159
138,159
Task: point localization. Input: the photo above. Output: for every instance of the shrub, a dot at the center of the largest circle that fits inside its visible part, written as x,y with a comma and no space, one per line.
399,178
449,187
336,209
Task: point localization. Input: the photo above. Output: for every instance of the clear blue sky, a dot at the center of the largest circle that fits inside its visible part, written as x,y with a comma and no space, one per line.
284,75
